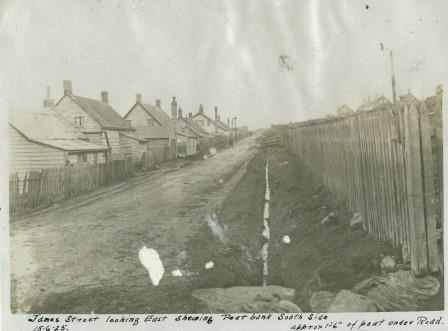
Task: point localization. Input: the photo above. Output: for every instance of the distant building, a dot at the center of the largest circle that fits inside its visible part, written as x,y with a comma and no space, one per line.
214,126
380,102
344,110
408,98
152,124
95,119
40,139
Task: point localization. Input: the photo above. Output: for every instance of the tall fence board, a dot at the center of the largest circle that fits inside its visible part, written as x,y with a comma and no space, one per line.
385,164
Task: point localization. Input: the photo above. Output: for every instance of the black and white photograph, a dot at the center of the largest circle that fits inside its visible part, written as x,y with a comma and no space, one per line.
211,158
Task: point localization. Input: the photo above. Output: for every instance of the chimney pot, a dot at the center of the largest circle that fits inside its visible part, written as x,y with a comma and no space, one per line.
67,85
158,103
179,112
48,101
190,115
138,98
105,96
174,109
201,108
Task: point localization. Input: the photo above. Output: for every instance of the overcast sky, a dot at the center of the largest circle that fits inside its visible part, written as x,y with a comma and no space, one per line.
224,53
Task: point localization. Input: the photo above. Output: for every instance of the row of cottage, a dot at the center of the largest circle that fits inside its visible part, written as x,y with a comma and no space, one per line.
379,102
82,130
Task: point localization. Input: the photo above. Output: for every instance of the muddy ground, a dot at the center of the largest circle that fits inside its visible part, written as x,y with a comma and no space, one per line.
328,257
217,216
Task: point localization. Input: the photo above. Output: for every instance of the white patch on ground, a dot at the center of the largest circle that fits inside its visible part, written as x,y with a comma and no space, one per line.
286,239
266,210
264,257
150,259
205,157
266,231
176,273
221,181
212,151
209,265
267,195
216,228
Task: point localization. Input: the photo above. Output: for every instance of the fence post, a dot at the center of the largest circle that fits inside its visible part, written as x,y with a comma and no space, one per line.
419,254
429,191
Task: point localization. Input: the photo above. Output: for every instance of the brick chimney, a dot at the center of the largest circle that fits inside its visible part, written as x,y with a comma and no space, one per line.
173,108
67,85
201,109
179,113
190,115
216,112
105,96
48,101
228,121
158,103
138,98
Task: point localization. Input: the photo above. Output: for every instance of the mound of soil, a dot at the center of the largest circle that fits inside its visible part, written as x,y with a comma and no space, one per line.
330,256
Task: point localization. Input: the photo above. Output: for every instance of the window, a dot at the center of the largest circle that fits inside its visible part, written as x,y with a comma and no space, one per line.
150,122
129,121
200,122
208,122
79,121
82,157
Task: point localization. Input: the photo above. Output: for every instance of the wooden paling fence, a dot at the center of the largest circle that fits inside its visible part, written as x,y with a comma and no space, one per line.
386,165
44,187
155,155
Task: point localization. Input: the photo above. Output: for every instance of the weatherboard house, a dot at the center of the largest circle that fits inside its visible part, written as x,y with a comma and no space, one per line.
214,126
152,124
97,120
40,139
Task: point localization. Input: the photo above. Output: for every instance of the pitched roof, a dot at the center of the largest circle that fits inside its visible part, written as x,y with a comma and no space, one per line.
219,123
153,132
164,131
370,105
344,110
133,135
196,128
102,113
223,125
43,123
44,126
158,114
381,101
408,98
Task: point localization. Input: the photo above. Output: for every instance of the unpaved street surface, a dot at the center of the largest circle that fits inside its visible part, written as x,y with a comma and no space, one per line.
82,255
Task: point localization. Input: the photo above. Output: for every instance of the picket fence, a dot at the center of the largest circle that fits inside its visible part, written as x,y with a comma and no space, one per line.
387,165
41,188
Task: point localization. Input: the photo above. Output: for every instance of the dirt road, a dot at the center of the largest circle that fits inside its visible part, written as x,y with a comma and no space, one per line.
82,255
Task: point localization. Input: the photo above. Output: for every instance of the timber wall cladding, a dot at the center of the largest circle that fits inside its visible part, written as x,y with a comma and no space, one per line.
383,163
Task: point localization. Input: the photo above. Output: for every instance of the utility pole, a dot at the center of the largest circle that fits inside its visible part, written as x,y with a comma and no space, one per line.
234,129
396,127
394,93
